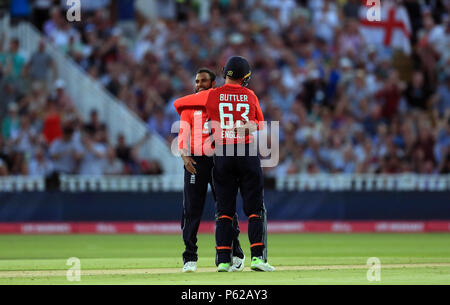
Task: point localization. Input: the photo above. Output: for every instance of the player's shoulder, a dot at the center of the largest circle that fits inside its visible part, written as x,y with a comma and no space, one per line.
193,100
212,94
203,95
191,97
205,92
251,93
216,90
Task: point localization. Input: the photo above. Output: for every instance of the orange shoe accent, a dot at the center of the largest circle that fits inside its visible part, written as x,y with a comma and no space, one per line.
224,248
257,244
253,216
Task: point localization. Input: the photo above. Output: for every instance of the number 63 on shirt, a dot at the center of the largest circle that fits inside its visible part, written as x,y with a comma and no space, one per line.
229,123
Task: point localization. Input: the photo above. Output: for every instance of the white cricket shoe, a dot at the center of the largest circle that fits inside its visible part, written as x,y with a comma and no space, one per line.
238,264
190,267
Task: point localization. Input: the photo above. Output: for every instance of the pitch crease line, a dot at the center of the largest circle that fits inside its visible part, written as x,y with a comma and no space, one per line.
60,273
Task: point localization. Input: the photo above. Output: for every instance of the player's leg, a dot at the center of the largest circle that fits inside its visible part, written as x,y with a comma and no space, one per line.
237,253
226,187
252,191
237,250
195,189
265,234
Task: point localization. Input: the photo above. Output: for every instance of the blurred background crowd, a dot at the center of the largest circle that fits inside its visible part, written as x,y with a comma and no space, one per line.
345,105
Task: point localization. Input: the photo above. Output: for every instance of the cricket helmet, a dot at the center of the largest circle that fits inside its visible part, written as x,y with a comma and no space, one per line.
237,67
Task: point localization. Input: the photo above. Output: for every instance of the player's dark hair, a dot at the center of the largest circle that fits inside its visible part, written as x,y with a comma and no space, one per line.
212,75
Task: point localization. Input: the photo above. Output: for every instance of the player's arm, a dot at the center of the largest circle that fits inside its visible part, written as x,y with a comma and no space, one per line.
184,137
246,127
192,100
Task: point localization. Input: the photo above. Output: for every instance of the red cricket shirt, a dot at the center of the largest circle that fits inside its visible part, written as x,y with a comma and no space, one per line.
194,134
227,107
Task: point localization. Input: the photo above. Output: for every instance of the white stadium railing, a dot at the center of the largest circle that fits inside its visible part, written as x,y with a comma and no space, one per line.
163,183
88,94
363,182
22,184
294,183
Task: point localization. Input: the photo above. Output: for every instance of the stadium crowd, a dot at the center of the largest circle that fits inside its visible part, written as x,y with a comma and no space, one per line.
344,105
41,132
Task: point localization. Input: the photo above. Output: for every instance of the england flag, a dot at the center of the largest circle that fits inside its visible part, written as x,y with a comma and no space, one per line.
393,29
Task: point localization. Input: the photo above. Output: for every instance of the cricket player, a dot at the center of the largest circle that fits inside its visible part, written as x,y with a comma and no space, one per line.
196,149
232,109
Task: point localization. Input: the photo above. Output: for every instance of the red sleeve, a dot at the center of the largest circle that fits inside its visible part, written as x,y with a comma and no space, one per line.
259,114
193,100
185,129
208,106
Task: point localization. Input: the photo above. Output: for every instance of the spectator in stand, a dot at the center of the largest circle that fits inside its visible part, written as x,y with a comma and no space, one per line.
418,93
389,96
61,97
112,166
94,154
358,93
39,64
427,46
11,123
441,99
24,139
18,164
67,152
60,32
159,123
12,61
425,143
325,20
442,148
3,168
52,128
314,91
56,19
3,158
351,9
40,165
41,10
128,154
150,167
94,125
445,167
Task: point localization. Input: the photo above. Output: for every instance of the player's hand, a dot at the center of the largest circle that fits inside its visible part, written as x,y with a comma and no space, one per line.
189,164
246,128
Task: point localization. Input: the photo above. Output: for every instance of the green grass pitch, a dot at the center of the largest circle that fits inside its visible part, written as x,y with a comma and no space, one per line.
156,259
